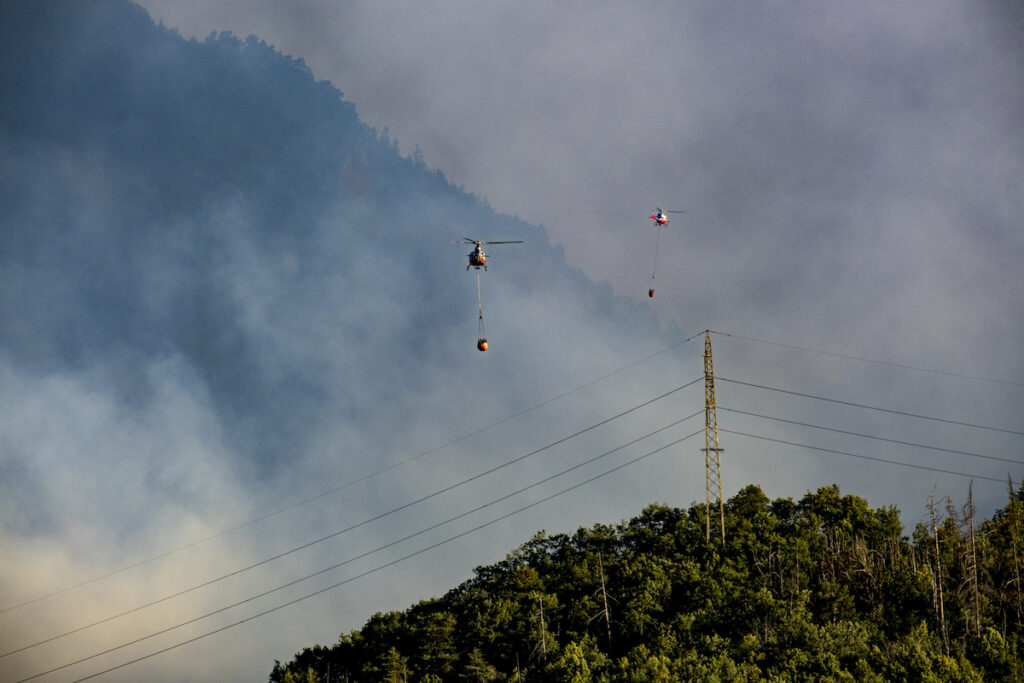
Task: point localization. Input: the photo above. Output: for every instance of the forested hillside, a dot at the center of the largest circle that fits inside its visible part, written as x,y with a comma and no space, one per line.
824,588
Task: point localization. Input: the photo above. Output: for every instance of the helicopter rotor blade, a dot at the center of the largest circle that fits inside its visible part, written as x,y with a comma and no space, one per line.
504,242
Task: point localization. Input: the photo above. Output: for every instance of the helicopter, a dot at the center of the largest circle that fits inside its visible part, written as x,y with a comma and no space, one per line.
659,217
477,257
478,260
660,220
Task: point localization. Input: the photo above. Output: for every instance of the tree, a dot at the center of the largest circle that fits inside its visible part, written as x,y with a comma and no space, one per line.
393,668
571,666
477,669
435,638
307,676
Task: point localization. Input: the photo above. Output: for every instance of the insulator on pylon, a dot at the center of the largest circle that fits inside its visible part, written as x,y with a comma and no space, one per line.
481,344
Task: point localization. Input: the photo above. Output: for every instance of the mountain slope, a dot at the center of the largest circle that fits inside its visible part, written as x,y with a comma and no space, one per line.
222,294
213,200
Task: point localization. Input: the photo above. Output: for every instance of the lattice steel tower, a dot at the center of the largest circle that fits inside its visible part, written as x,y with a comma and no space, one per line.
712,453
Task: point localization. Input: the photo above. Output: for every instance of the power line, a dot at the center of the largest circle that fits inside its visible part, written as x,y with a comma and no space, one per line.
522,490
383,547
864,457
352,527
520,413
868,407
385,470
463,534
348,484
390,563
869,360
871,436
469,435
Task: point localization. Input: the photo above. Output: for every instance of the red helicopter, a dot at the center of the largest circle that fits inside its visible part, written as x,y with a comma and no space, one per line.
660,219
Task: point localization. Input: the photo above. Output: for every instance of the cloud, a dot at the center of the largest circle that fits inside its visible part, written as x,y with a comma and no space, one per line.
797,130
180,355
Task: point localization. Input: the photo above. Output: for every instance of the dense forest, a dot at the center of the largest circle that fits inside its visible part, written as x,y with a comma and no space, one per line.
824,588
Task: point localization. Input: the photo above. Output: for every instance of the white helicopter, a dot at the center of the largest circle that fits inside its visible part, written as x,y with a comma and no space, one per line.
660,220
477,257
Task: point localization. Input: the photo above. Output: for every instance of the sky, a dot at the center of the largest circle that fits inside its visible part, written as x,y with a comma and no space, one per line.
853,182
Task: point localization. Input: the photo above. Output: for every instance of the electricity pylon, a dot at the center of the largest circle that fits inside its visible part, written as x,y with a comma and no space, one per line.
712,463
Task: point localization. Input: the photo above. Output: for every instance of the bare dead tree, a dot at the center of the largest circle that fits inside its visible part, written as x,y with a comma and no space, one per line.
1014,531
971,553
937,582
543,630
604,601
